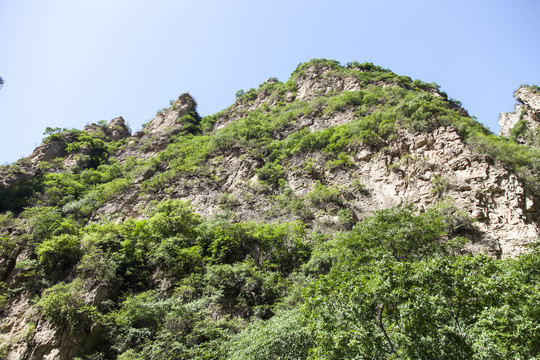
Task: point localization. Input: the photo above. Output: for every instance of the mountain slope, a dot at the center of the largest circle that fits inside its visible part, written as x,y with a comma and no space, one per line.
340,165
395,139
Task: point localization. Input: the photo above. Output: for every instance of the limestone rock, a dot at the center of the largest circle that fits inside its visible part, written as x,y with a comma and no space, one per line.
48,151
117,129
527,113
168,118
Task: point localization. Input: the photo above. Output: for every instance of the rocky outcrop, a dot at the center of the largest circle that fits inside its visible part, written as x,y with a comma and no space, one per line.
48,151
319,80
168,118
417,168
155,136
55,147
117,129
523,123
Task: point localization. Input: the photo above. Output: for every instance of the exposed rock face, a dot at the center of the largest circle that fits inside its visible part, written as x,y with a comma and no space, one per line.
48,151
117,129
420,169
312,84
167,119
55,148
156,135
529,97
527,112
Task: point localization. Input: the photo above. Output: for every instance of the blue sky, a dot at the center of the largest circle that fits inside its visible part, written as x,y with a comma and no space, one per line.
70,63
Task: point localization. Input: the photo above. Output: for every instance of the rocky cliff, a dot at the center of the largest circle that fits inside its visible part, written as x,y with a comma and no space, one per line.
421,168
522,124
329,147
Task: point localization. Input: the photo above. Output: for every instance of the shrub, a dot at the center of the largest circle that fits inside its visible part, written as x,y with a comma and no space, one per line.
139,319
64,304
321,196
523,160
272,174
346,218
171,218
243,289
43,221
284,336
343,161
59,253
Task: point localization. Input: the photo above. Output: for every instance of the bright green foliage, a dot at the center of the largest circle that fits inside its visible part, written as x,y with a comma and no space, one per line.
59,253
343,161
7,243
172,217
187,155
345,100
284,336
64,304
95,151
276,246
397,234
190,123
390,288
153,328
451,308
44,222
289,203
323,196
61,188
92,200
243,289
272,174
140,317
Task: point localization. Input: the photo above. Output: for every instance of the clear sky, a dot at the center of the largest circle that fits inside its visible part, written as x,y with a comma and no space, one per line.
68,63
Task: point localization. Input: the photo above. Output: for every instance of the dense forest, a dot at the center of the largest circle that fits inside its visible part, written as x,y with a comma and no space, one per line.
310,278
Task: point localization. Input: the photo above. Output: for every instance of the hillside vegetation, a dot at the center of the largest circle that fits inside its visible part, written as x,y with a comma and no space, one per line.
103,256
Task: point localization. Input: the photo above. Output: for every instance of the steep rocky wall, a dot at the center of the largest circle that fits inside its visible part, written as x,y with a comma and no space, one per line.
421,169
417,168
526,115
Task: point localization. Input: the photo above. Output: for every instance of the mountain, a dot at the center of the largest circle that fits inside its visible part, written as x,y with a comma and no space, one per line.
195,236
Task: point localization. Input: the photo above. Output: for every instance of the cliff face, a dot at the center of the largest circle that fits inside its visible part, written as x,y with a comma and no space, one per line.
421,168
522,124
329,147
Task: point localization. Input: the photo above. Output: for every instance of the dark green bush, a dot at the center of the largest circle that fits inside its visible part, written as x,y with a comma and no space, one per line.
59,253
284,336
322,196
64,304
271,173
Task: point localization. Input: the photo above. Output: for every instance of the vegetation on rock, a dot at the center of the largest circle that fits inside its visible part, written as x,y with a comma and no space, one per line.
170,283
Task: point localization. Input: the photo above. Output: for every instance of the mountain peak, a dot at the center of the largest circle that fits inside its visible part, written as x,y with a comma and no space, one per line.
168,117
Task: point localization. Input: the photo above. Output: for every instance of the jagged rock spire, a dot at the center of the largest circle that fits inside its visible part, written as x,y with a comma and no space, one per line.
528,111
166,119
